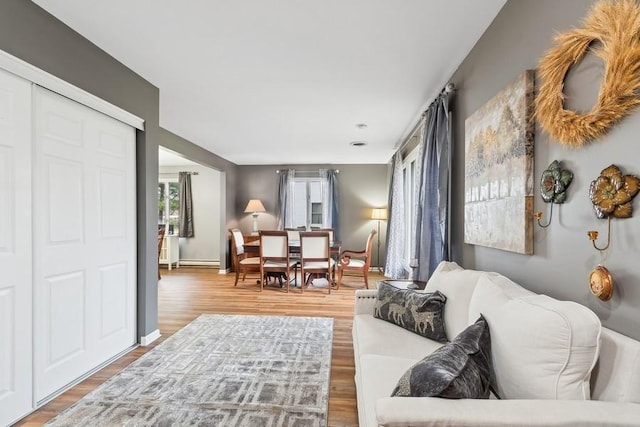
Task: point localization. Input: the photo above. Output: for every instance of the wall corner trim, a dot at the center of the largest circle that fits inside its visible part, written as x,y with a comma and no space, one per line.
148,339
42,78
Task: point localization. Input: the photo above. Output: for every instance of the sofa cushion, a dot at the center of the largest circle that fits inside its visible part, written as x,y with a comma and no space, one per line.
414,311
457,284
375,336
376,377
542,348
458,370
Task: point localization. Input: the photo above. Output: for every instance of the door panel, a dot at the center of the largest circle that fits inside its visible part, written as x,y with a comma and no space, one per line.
15,248
85,243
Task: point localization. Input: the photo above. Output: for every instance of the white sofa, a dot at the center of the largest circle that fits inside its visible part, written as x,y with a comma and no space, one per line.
553,362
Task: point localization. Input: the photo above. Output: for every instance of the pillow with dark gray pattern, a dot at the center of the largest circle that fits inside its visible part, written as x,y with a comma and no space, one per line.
419,312
458,370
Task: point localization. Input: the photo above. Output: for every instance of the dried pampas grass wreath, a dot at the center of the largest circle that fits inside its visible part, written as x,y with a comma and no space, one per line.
616,24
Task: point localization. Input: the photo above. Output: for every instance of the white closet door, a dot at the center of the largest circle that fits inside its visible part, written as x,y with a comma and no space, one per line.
15,248
84,240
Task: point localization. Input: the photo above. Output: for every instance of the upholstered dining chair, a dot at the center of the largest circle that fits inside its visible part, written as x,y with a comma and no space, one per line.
359,261
315,257
274,255
242,263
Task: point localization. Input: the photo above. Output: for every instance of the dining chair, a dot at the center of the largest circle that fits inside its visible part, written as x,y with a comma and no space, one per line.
359,261
274,255
293,234
240,259
315,257
330,231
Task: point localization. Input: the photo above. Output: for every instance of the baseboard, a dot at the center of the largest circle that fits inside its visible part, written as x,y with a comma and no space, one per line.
148,339
199,263
224,271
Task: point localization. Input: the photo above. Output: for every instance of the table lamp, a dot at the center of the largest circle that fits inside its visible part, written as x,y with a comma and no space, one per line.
378,214
255,206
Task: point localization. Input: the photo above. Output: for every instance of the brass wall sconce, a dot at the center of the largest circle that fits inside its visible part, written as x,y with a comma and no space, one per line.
611,195
553,188
593,236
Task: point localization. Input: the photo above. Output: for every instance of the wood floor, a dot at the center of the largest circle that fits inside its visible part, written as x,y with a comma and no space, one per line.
185,293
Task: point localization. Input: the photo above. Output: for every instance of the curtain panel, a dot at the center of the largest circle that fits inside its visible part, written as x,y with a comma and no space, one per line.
395,261
330,201
186,205
285,199
432,216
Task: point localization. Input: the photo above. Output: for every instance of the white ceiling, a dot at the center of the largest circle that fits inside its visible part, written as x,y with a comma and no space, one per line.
286,81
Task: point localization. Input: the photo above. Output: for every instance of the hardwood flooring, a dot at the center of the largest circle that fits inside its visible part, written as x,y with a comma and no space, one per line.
185,293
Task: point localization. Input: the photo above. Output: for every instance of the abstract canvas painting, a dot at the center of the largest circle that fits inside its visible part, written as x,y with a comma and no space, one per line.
498,200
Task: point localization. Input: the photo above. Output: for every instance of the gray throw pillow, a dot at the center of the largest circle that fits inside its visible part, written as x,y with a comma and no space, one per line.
458,370
417,312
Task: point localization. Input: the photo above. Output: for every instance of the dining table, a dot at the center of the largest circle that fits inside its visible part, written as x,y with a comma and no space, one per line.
253,247
294,247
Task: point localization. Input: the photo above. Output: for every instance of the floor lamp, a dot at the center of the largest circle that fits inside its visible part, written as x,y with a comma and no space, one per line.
379,214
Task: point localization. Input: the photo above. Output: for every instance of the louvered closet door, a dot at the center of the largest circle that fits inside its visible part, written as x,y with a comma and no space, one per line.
15,248
84,240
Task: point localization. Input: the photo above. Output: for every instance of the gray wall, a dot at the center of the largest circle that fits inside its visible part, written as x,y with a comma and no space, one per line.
33,35
360,187
227,189
563,257
205,191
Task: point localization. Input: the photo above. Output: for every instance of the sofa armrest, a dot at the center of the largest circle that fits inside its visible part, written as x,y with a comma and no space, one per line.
365,298
433,411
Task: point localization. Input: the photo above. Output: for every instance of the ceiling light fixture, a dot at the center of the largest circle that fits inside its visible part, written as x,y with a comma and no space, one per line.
358,143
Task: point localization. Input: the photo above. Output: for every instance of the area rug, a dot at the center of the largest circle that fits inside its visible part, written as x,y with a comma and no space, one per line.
220,370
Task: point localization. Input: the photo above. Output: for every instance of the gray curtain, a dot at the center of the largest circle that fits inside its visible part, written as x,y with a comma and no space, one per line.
285,199
330,201
432,219
186,205
395,262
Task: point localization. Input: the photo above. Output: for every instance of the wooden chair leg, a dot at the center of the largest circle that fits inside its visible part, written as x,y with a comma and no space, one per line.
339,277
237,276
366,278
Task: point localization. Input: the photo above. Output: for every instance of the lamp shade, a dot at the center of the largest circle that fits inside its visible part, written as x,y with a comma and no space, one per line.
255,205
378,213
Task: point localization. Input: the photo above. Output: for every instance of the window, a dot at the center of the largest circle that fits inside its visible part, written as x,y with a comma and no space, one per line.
307,203
169,205
410,177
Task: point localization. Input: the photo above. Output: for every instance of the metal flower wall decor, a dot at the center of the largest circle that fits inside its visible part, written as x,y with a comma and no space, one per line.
554,183
612,192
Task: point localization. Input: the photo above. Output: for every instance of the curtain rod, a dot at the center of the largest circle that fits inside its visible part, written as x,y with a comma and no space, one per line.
190,173
301,171
449,87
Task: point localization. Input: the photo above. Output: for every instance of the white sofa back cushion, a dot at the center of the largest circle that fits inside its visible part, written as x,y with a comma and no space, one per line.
542,348
457,284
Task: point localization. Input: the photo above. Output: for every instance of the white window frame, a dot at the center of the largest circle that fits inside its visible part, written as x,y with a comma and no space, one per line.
410,170
308,180
166,181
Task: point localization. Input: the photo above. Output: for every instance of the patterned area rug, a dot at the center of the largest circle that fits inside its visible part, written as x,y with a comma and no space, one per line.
220,370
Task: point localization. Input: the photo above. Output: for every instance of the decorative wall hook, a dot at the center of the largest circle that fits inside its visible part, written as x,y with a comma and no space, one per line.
538,217
553,188
611,194
593,236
